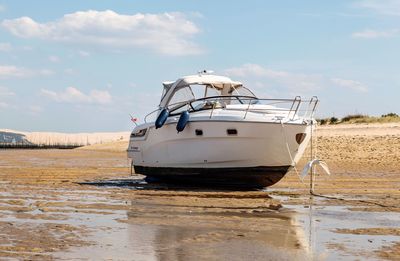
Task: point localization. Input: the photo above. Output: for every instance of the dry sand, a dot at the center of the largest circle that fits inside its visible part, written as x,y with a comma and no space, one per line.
366,154
45,214
113,146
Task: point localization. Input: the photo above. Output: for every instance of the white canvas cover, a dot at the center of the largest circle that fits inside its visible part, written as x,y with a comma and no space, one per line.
218,82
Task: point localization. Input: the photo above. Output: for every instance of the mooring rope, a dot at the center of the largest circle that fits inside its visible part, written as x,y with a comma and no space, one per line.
293,163
358,200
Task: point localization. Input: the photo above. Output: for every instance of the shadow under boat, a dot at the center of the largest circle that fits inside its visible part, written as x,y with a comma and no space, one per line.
153,183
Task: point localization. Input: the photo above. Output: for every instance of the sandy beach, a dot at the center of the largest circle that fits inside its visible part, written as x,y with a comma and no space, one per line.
84,204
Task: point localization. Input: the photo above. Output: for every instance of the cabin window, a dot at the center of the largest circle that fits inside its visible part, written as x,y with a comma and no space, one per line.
182,95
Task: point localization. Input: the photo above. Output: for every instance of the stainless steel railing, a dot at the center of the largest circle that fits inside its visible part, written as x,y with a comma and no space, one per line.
286,108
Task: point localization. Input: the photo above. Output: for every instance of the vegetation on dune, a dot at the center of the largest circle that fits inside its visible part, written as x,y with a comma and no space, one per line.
390,115
361,118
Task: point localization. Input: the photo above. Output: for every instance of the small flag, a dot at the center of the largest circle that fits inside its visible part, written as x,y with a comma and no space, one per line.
134,120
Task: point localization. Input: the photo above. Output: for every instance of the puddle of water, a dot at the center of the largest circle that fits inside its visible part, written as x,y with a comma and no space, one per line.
199,238
317,223
320,224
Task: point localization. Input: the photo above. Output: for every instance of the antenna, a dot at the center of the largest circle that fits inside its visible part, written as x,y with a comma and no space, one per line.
205,72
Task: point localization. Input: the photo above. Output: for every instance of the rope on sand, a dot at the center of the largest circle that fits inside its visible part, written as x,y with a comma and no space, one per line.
358,200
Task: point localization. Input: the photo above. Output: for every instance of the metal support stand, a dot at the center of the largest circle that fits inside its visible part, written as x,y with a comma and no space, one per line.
311,158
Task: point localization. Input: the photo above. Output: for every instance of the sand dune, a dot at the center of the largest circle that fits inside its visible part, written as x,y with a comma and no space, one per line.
71,138
375,129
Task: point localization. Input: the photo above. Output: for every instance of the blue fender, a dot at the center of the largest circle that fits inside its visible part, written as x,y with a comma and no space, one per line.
162,118
183,120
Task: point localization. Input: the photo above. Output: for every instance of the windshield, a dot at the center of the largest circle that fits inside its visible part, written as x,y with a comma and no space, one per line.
193,92
241,91
182,95
182,99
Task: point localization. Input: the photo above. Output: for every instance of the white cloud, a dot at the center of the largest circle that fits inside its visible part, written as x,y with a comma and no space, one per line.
45,72
5,47
73,95
2,8
83,53
8,71
288,83
167,33
27,48
3,105
34,109
100,96
351,84
371,34
11,71
70,71
305,82
382,7
4,91
54,58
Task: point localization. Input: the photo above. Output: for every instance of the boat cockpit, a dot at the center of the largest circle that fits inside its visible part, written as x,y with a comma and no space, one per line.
196,97
210,92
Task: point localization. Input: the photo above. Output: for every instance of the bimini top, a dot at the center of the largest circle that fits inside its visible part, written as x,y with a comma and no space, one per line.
215,81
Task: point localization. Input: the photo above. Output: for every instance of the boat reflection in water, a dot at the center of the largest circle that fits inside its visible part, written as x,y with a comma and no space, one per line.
212,231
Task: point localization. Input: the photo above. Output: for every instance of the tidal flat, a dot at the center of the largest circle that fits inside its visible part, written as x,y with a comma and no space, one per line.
84,204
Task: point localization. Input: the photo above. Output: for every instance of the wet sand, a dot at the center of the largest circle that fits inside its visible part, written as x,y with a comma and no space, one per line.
47,211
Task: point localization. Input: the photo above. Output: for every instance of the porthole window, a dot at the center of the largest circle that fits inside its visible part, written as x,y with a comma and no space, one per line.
231,131
199,132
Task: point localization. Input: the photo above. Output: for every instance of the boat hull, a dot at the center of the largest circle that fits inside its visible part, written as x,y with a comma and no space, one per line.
248,177
257,154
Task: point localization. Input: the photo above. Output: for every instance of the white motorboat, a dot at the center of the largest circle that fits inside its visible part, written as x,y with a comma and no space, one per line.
211,129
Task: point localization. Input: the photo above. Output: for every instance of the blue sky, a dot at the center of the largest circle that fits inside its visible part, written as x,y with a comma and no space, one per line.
74,66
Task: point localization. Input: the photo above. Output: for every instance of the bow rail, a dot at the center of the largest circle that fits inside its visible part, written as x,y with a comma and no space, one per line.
285,108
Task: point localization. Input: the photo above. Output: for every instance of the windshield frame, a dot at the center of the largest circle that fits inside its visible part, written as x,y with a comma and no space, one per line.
241,98
206,86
